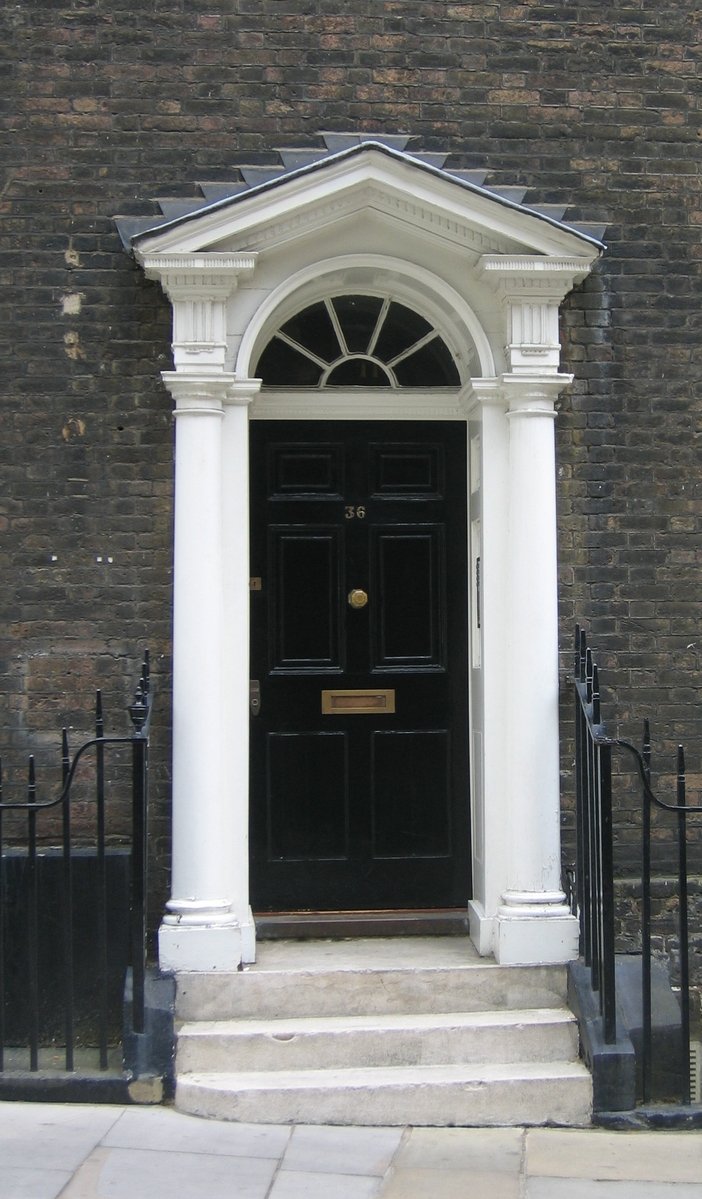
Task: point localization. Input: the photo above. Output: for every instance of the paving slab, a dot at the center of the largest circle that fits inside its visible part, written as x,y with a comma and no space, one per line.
300,1185
55,1151
52,1135
451,1184
27,1183
143,1174
487,1150
582,1188
163,1128
600,1155
322,1149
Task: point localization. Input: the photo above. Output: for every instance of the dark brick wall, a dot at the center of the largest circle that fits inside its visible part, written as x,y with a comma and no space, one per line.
105,105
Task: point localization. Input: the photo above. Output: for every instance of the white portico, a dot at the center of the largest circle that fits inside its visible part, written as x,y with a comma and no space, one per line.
488,276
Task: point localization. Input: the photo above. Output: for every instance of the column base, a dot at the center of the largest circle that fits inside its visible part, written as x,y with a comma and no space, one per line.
248,939
183,947
535,929
482,928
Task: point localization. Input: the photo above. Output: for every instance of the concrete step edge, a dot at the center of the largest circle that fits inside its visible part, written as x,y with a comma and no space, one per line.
339,992
373,1077
421,1021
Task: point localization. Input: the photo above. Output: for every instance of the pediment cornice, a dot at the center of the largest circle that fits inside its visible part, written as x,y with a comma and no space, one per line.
372,179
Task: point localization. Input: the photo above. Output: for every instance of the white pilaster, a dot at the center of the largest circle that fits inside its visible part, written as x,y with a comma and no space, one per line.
235,646
489,691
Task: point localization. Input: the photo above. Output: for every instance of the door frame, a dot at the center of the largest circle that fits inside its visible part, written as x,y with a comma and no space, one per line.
492,275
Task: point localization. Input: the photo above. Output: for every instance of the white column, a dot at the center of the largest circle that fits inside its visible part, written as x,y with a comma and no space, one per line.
204,927
533,923
200,930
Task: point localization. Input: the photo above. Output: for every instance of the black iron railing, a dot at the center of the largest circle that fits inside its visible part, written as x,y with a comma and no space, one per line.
594,876
26,974
594,881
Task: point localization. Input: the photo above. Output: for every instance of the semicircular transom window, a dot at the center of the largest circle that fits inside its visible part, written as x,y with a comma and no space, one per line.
357,341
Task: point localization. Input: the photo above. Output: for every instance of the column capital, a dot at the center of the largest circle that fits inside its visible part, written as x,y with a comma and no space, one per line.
484,393
532,395
518,393
242,392
198,392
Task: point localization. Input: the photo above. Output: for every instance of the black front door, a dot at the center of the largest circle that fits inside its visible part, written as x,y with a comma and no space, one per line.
359,793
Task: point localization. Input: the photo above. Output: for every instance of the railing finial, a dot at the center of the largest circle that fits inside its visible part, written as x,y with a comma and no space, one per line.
595,693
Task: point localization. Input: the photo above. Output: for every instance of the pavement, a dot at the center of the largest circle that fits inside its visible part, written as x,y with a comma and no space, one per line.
78,1151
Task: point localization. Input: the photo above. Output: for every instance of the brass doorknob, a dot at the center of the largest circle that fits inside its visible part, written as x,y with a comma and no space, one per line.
357,598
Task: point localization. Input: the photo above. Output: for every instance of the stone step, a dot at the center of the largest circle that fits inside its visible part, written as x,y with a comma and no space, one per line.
367,976
340,1042
529,1093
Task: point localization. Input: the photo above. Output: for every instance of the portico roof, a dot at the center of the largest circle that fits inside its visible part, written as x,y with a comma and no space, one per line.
354,171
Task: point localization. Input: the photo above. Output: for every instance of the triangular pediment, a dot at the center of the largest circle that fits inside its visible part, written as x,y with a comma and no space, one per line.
371,181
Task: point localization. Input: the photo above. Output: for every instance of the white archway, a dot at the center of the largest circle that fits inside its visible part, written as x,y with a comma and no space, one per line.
413,285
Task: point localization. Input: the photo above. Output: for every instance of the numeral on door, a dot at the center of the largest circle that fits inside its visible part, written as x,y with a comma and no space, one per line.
355,512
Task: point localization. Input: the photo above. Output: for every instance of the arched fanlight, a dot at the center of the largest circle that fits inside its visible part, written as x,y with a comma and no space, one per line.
357,341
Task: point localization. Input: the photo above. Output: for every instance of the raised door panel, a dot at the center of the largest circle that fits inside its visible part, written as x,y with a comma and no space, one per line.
307,800
410,788
304,627
408,571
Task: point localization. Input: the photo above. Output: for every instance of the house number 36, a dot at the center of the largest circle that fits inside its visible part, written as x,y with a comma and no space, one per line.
355,512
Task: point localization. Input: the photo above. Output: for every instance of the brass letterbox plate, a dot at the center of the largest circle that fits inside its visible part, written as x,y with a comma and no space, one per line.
363,702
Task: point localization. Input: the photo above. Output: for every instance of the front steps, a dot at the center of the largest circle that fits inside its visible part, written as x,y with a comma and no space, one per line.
416,1030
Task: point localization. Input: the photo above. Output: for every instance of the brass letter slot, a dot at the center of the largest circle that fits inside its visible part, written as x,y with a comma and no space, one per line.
343,703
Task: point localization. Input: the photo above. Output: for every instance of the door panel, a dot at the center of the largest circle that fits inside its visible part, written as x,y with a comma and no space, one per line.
404,824
360,801
305,617
303,770
407,584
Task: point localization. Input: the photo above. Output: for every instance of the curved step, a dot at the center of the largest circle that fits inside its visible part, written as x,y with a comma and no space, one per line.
528,1093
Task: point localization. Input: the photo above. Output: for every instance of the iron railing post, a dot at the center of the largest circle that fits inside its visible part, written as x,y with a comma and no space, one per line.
609,998
683,930
646,1001
101,877
139,712
2,935
32,918
67,914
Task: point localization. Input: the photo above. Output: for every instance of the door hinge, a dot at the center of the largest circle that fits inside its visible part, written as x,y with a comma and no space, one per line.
254,697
